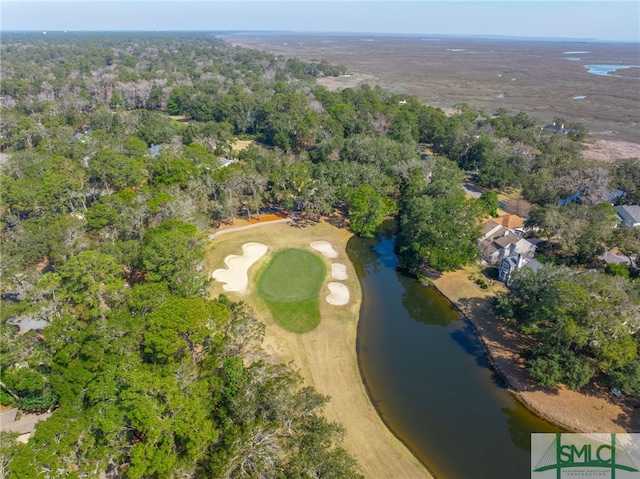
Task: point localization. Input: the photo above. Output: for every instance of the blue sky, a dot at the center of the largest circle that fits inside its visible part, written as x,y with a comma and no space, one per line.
599,20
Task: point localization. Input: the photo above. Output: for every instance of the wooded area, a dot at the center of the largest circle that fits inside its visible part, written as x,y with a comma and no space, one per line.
120,158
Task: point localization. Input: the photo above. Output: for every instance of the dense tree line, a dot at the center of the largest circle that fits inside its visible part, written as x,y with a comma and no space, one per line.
586,324
147,377
118,147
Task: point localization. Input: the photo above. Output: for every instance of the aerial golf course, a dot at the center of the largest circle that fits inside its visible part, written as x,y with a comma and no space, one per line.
302,286
290,285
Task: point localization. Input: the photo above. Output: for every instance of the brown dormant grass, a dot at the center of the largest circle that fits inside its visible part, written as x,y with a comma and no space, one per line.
239,145
326,357
529,76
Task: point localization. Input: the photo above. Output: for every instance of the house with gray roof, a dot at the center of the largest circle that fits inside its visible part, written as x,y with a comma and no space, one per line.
629,215
552,127
515,262
499,242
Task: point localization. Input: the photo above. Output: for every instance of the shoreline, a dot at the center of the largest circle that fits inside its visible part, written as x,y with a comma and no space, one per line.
326,357
562,407
592,410
379,413
493,364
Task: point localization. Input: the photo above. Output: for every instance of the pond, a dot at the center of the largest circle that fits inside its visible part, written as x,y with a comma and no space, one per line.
427,373
606,70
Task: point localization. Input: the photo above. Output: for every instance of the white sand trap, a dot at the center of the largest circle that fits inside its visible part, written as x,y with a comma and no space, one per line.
235,276
339,271
325,248
339,294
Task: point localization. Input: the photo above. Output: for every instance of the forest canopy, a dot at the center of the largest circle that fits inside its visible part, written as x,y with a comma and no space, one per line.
119,155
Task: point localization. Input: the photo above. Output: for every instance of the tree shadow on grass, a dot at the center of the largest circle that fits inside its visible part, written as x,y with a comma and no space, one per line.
630,417
491,272
337,220
430,274
300,222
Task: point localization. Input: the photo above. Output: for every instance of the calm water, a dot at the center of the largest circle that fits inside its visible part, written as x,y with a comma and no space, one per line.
605,70
427,373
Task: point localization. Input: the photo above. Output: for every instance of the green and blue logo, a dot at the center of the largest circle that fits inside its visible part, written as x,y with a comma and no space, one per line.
603,456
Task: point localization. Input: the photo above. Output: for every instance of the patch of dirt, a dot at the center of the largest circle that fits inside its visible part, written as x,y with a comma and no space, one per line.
611,150
345,81
244,221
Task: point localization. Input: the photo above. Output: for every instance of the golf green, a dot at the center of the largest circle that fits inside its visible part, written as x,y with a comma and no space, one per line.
290,285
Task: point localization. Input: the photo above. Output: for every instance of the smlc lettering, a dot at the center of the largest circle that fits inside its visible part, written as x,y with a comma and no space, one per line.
599,455
572,454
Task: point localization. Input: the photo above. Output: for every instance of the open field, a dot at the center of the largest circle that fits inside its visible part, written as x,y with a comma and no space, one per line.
542,78
325,357
239,145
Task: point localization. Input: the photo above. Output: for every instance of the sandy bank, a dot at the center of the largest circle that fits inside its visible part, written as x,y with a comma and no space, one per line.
338,294
592,410
236,276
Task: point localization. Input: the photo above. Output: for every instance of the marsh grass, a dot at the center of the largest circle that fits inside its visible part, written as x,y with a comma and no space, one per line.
534,76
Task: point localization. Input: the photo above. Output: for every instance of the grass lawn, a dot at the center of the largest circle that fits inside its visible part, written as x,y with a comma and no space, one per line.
325,356
239,145
290,285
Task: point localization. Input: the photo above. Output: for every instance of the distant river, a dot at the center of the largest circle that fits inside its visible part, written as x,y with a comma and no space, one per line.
427,373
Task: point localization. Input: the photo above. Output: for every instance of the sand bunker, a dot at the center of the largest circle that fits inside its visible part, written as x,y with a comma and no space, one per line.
236,277
325,248
339,294
339,271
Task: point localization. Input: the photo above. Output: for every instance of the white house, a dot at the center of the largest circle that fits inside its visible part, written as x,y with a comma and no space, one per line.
225,161
513,263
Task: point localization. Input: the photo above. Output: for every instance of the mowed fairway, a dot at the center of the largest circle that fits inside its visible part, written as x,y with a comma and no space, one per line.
326,356
290,286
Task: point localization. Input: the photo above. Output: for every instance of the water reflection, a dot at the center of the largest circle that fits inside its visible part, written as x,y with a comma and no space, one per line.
364,258
428,375
467,339
519,437
418,301
425,307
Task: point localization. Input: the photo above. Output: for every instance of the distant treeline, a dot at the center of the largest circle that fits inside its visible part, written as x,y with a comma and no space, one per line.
120,156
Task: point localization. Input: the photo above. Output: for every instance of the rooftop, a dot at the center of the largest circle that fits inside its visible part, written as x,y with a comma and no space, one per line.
510,221
632,211
488,226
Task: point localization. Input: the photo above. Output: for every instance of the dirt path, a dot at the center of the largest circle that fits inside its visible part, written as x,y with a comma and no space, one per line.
325,357
245,225
593,410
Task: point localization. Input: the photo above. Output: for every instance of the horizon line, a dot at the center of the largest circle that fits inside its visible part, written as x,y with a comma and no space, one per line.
335,33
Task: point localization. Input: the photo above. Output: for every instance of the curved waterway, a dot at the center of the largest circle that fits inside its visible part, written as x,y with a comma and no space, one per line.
427,373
